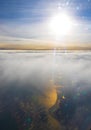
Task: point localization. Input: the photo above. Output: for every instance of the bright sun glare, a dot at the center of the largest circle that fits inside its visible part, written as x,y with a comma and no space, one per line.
61,24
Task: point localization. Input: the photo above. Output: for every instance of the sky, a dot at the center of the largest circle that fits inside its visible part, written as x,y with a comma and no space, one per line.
27,20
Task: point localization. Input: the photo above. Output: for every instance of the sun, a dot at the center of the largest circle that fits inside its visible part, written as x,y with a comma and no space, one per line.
61,24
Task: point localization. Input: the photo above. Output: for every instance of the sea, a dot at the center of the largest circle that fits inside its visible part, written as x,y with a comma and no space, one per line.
44,90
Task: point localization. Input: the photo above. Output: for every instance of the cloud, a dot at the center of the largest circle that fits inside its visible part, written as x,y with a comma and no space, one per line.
40,31
72,67
32,72
32,22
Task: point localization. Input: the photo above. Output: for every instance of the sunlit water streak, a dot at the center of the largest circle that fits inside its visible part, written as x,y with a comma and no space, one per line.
69,72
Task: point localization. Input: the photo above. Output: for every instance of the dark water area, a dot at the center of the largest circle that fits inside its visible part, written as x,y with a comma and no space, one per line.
45,91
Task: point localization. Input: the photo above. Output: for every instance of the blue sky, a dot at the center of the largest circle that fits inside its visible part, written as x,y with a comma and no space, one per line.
26,20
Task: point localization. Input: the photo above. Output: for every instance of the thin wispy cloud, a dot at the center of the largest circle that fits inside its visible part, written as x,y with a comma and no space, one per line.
29,20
